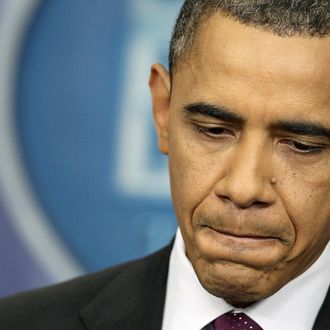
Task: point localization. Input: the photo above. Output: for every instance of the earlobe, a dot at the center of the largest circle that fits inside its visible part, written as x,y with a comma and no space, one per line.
160,88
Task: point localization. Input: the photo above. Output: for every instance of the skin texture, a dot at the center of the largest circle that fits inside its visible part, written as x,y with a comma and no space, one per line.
245,236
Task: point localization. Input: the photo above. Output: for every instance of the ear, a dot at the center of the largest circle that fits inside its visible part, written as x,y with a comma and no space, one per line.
160,88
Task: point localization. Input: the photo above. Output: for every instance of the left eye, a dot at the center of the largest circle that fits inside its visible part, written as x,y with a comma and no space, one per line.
303,148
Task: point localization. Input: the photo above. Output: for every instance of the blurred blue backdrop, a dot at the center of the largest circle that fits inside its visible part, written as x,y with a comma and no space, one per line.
83,128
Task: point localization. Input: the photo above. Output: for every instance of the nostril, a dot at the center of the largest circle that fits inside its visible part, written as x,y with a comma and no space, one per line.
225,198
260,204
257,205
243,203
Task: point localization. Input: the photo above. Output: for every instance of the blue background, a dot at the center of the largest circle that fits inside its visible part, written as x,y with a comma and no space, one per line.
71,87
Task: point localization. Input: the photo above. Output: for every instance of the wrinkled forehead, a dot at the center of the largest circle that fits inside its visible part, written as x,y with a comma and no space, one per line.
225,45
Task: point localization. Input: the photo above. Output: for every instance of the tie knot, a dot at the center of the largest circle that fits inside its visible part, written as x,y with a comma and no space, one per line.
235,321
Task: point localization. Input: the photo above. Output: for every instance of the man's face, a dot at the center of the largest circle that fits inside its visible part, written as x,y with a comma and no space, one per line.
248,107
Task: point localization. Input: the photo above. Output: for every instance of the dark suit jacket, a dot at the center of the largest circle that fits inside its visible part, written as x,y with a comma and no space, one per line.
130,297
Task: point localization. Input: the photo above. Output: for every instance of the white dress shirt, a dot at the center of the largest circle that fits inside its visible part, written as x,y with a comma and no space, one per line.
294,307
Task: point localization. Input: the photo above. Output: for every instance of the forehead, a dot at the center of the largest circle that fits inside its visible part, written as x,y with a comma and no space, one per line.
228,55
224,41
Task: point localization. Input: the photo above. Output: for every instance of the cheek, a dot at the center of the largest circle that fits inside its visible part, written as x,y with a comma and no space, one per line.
307,203
315,215
193,176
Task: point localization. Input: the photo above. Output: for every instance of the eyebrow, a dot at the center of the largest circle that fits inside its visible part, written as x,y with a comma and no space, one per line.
303,128
214,111
223,113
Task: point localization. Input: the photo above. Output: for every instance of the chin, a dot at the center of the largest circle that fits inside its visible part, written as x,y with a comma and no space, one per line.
237,284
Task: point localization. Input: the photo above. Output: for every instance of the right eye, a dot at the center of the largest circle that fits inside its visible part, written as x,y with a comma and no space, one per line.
215,131
212,131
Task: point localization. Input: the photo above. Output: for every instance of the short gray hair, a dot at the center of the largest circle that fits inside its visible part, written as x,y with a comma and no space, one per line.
281,17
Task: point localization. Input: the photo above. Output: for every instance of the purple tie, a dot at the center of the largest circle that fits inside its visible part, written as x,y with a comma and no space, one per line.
235,321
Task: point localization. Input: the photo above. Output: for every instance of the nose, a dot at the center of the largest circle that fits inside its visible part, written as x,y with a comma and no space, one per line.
248,177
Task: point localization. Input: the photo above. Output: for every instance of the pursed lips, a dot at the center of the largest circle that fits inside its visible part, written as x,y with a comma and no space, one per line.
242,235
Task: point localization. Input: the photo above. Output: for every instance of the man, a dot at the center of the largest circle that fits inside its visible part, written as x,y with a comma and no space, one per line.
244,117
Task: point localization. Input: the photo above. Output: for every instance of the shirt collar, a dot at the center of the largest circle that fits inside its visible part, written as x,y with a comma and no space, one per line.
189,306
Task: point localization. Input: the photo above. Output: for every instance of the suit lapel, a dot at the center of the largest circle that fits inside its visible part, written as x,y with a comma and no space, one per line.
323,318
134,299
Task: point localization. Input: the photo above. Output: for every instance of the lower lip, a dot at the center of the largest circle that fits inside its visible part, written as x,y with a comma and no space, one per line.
242,241
256,252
